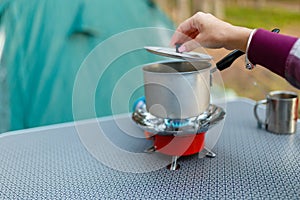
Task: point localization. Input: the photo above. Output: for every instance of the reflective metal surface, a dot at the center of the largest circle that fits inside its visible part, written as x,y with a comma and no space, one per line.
192,125
281,113
209,153
172,53
174,165
177,89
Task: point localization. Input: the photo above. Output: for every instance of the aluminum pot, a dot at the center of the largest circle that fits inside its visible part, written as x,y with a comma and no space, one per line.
177,89
181,89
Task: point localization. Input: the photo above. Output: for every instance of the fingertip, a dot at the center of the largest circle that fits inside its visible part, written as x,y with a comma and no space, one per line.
182,48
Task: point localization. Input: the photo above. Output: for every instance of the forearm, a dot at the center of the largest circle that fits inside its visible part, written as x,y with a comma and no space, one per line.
279,53
236,38
292,67
271,50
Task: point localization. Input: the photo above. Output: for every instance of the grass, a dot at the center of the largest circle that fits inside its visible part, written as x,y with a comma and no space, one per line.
267,18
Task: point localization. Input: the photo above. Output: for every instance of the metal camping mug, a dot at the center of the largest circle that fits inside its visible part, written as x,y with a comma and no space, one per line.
281,112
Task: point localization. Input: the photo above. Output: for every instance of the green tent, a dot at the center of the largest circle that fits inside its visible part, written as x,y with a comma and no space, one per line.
45,44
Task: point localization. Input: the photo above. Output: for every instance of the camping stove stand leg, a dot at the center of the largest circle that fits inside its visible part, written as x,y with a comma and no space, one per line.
150,149
209,153
174,166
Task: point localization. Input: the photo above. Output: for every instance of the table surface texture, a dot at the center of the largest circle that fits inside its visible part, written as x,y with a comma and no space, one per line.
52,163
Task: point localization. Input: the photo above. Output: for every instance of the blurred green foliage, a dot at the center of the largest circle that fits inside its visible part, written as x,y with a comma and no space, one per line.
264,17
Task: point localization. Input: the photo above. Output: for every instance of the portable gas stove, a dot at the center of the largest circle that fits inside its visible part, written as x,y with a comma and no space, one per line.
178,112
177,137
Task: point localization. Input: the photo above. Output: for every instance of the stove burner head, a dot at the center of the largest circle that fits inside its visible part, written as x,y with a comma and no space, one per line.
176,123
160,126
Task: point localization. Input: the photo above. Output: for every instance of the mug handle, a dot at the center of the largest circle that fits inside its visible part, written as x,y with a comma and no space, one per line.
259,121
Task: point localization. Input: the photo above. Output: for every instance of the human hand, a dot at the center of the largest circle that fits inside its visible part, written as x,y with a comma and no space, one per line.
210,32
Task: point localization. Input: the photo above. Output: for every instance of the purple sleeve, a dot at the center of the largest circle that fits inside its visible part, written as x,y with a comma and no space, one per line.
292,67
272,51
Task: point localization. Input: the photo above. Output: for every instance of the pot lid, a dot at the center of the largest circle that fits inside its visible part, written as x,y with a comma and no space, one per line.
172,53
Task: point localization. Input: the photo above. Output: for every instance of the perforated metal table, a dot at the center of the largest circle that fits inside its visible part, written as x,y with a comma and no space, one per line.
52,163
